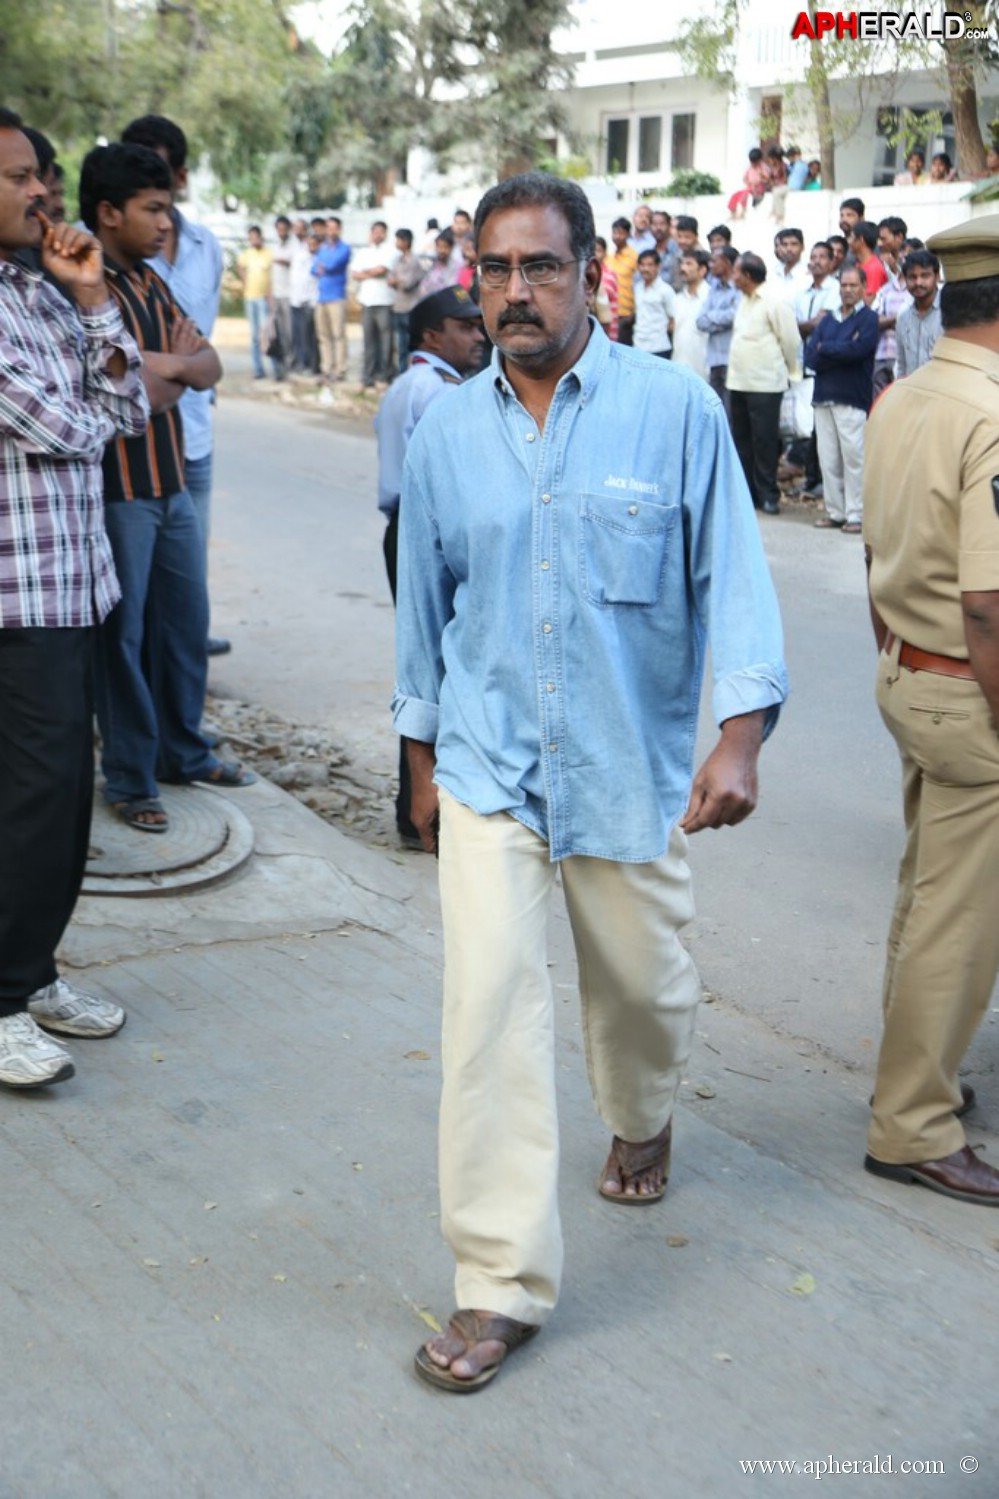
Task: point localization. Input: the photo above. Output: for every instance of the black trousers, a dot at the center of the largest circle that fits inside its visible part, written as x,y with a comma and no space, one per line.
390,546
755,418
716,379
626,330
46,793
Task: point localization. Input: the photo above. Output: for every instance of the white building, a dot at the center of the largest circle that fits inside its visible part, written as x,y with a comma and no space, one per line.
639,119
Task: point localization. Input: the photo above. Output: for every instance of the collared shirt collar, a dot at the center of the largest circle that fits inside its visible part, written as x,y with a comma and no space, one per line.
24,277
957,351
187,226
585,372
118,272
424,356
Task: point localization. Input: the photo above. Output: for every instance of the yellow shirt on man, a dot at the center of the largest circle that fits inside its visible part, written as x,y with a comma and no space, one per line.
255,265
624,264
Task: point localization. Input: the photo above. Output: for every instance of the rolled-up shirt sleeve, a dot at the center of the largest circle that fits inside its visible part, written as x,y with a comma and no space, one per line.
424,606
734,595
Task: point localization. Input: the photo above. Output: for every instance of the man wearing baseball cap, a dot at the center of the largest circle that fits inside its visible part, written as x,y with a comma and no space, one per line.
446,341
931,528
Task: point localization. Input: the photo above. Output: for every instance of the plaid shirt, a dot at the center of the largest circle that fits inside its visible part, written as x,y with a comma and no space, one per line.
59,406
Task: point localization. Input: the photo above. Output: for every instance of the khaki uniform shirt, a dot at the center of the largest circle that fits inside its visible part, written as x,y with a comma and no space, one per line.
931,495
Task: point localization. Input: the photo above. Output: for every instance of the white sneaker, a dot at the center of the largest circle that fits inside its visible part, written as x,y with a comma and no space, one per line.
73,1012
28,1059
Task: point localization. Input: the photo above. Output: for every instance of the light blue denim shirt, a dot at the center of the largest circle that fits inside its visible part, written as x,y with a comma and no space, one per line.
558,589
195,278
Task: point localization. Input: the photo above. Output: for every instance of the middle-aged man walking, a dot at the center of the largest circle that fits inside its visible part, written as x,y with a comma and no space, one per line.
763,360
931,525
563,565
191,265
445,331
841,352
70,377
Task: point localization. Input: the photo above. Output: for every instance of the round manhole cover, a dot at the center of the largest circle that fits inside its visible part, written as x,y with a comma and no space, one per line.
207,838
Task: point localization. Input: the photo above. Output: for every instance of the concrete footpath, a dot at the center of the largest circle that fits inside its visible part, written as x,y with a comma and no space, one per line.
221,1240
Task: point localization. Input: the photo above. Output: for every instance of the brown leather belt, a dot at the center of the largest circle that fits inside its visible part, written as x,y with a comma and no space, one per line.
917,660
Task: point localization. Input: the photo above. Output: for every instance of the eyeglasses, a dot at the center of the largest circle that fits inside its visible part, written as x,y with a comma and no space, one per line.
495,273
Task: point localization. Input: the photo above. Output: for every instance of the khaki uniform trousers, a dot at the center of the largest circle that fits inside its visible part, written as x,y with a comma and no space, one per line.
331,331
498,1126
943,945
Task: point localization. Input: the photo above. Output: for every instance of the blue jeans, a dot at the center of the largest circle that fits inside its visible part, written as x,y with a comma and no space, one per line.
151,664
198,477
400,327
256,311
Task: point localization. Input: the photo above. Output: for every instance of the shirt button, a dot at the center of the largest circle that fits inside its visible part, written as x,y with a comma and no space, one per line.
546,499
546,628
632,509
545,566
553,746
530,436
551,686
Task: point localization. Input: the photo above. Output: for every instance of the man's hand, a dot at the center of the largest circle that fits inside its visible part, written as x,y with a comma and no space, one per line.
185,338
725,788
424,805
75,258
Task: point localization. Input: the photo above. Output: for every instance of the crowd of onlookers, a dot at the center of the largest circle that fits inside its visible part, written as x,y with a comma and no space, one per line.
797,348
296,292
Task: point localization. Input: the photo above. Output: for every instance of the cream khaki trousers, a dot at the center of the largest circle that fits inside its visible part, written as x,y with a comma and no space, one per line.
498,1125
839,432
943,945
331,331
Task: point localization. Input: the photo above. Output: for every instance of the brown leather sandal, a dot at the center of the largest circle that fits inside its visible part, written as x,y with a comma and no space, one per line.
653,1153
474,1328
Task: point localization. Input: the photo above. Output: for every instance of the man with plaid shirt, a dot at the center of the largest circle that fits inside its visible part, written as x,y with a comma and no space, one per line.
70,378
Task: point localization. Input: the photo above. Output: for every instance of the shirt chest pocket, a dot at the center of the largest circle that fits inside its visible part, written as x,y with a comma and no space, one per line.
624,545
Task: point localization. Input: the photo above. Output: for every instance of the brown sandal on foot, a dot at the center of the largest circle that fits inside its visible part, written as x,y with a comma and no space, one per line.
651,1153
474,1328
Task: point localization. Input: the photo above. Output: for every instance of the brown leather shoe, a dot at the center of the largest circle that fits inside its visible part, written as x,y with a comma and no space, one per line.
962,1175
968,1101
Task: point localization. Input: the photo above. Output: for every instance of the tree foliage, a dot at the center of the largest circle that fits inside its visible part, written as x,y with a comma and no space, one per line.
276,120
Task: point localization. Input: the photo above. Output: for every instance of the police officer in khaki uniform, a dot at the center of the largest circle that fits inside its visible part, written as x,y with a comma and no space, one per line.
931,527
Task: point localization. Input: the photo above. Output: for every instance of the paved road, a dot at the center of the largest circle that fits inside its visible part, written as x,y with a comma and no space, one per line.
220,1239
793,906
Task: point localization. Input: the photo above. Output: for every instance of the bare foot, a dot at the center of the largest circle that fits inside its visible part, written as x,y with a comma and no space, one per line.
465,1357
637,1170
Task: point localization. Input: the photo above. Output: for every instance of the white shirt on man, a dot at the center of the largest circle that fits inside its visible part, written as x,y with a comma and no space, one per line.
302,282
690,345
375,291
655,308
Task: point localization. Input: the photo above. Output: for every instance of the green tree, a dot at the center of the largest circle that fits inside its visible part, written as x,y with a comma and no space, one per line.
79,69
513,101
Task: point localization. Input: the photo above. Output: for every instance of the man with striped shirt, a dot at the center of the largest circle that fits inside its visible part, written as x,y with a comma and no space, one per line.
69,379
151,663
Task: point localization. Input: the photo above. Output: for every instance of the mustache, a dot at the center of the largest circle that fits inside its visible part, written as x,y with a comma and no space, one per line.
518,314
